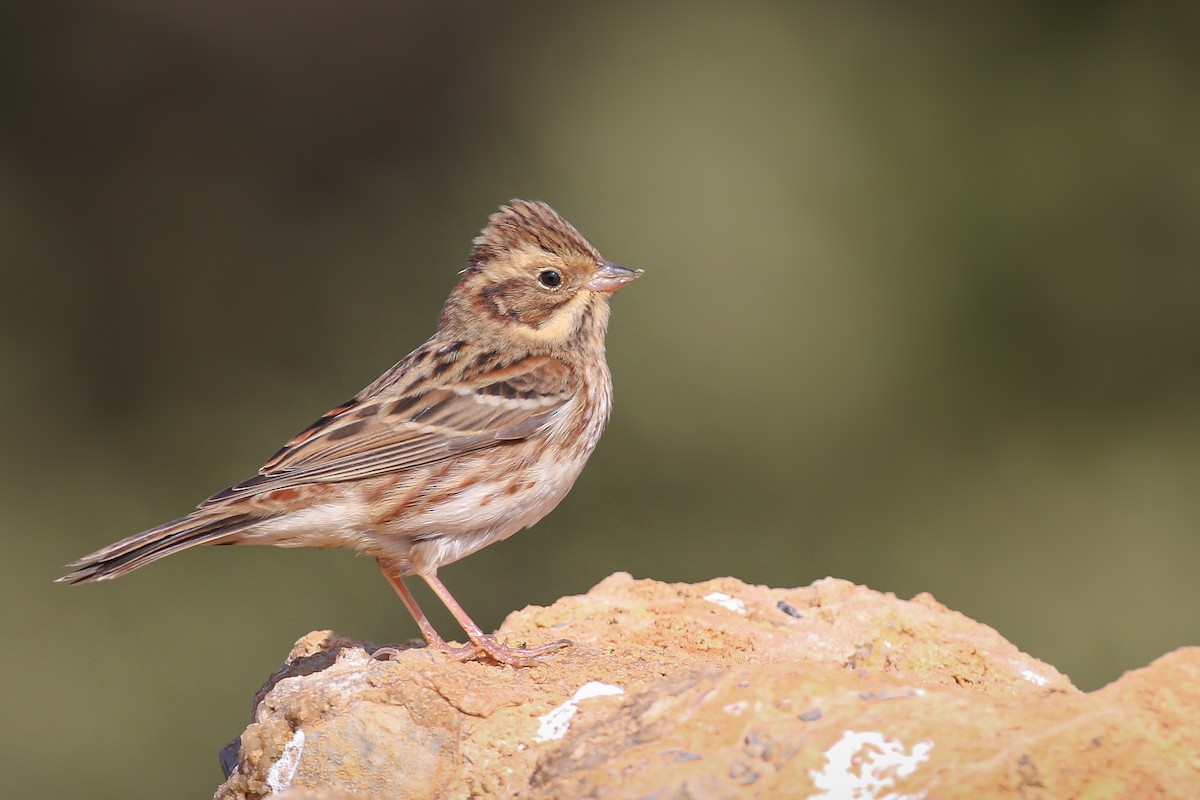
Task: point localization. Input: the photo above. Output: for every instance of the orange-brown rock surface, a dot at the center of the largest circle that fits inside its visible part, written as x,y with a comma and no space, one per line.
721,690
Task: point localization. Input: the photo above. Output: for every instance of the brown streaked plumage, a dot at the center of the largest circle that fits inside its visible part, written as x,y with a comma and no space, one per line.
475,435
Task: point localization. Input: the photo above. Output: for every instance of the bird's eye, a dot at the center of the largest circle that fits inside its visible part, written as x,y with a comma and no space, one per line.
550,278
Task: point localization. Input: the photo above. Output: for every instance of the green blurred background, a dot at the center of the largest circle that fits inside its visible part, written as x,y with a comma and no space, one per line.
921,310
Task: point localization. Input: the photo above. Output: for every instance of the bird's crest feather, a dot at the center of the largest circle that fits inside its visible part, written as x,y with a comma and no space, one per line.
529,223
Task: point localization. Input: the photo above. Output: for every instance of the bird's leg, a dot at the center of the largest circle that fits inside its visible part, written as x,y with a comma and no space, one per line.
431,636
480,641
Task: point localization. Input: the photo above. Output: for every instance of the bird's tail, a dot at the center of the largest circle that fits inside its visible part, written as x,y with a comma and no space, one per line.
151,545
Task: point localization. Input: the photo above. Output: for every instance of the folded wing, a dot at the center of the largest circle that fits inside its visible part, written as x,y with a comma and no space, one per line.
385,433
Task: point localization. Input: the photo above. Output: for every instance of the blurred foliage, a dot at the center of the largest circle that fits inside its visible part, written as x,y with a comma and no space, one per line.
921,310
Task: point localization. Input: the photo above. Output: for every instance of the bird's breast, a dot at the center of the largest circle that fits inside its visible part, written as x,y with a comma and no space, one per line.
487,510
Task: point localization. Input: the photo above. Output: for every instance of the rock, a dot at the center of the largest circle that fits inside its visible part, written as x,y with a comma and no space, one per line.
721,690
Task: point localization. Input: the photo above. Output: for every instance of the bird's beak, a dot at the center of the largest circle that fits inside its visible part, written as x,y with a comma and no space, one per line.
611,277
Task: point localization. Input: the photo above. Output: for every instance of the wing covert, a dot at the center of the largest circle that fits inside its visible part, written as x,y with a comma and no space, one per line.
374,435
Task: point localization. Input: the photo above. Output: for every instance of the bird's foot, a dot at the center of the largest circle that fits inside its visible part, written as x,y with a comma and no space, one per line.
391,652
486,647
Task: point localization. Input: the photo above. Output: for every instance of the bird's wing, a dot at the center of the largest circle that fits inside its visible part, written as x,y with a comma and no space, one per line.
384,433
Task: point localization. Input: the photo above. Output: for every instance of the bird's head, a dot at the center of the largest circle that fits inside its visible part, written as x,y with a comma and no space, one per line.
534,278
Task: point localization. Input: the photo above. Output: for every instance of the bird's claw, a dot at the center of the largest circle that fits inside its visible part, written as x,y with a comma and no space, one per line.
485,648
488,648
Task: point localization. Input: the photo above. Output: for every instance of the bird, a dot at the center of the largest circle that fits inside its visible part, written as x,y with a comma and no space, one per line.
473,436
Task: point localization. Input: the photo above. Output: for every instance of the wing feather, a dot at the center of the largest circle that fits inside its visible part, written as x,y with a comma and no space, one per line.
378,434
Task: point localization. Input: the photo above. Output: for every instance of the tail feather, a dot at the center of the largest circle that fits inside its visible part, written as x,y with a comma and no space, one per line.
151,545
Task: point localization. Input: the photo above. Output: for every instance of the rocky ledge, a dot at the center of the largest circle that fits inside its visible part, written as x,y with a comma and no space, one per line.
720,690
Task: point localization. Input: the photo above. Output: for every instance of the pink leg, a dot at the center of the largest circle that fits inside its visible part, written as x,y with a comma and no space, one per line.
431,636
481,642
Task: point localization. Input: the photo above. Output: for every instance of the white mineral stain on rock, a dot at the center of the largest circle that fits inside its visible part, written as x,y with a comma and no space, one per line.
1034,678
279,777
737,709
865,765
555,724
725,601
